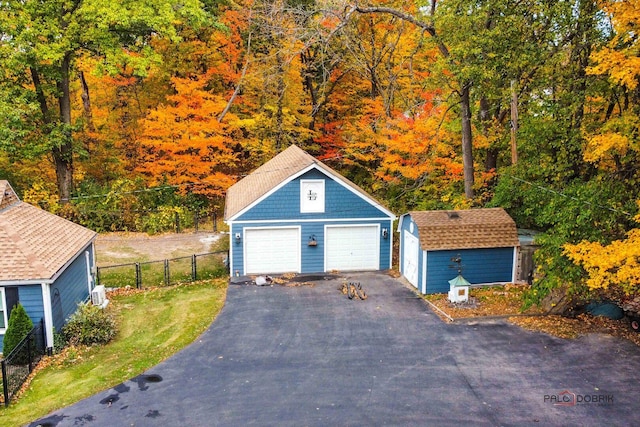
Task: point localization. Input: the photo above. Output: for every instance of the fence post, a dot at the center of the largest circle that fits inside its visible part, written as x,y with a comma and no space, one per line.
5,383
215,222
196,218
138,276
29,353
177,220
97,276
194,271
48,350
166,272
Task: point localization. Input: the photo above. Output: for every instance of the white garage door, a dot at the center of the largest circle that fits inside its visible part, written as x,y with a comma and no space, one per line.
352,248
272,250
410,255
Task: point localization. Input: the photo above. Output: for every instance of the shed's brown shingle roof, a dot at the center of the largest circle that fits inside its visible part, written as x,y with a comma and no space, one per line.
273,173
34,244
465,229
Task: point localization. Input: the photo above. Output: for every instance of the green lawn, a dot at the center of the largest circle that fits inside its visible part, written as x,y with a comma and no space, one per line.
152,325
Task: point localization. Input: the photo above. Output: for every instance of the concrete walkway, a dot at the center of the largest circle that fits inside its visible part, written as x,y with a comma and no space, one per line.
308,356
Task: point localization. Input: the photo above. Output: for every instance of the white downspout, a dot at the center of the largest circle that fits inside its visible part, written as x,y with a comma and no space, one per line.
89,275
48,315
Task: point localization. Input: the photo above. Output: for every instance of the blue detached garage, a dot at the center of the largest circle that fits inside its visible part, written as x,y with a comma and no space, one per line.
295,214
46,264
437,246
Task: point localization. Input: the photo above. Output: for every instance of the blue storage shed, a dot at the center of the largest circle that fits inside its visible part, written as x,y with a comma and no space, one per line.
435,246
295,214
46,264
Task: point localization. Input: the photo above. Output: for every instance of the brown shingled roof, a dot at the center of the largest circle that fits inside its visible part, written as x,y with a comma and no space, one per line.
275,172
35,244
465,229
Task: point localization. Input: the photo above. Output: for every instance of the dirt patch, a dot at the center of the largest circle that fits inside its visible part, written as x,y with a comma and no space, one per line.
506,302
115,248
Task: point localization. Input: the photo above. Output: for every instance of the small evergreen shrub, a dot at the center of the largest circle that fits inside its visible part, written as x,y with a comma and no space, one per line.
89,325
59,342
18,328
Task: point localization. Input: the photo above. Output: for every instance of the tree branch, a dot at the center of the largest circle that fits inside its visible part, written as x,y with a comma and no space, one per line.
409,18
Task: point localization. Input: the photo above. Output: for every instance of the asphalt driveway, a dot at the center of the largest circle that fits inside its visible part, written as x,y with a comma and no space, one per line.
308,356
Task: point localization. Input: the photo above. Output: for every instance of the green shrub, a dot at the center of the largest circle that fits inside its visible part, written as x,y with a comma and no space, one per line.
18,328
89,325
165,220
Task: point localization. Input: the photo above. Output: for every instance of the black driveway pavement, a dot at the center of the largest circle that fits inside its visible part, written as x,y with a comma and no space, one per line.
308,356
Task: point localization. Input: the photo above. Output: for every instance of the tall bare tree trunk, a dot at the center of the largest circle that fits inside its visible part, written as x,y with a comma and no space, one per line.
63,151
467,139
86,103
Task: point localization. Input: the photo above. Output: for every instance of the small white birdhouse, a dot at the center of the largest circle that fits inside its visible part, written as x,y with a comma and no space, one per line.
459,289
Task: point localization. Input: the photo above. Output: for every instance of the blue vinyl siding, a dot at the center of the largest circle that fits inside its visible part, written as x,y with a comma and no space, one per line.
478,266
72,286
284,204
30,297
282,208
312,256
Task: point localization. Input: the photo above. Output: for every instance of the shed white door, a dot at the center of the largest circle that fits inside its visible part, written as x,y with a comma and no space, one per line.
411,252
352,248
272,250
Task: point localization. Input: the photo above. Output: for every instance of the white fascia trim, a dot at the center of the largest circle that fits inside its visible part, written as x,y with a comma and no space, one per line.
26,282
400,220
298,221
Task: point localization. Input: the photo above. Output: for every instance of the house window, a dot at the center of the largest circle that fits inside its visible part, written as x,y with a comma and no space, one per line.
312,196
3,312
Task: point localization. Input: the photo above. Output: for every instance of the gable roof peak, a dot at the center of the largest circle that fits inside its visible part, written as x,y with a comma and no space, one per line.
8,196
282,168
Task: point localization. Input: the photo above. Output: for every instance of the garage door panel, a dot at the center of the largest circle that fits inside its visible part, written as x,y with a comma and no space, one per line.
272,250
352,248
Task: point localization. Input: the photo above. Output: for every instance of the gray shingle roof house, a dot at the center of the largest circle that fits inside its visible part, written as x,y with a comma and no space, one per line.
296,214
434,245
46,263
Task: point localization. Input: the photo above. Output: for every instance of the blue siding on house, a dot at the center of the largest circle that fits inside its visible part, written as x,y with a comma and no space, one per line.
30,297
487,265
284,204
282,208
312,256
478,266
72,286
